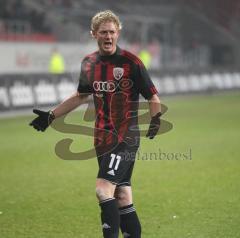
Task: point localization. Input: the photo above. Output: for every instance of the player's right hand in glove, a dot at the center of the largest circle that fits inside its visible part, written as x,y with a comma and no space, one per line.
43,120
154,126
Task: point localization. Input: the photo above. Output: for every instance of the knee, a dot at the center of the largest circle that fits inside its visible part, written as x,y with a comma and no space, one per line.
104,189
102,193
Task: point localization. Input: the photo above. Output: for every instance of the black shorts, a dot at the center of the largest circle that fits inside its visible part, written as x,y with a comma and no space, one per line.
117,165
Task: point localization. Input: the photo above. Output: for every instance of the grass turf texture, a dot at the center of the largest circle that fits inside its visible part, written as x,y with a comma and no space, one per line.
44,196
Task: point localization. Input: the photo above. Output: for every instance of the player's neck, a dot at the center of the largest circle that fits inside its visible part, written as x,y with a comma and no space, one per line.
104,53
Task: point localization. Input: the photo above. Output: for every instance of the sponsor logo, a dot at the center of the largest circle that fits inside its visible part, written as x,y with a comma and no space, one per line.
111,172
125,235
108,86
106,226
125,84
118,73
111,86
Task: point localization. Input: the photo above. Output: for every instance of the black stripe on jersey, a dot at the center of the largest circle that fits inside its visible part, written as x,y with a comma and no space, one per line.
105,100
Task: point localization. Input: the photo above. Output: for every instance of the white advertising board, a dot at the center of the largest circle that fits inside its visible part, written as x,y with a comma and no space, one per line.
22,58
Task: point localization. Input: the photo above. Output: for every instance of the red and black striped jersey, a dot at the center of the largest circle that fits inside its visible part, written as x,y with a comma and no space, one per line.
115,82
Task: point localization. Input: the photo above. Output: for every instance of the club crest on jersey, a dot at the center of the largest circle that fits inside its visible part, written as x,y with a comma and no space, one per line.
118,73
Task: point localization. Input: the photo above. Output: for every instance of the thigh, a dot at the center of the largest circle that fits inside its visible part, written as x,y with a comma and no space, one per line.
123,194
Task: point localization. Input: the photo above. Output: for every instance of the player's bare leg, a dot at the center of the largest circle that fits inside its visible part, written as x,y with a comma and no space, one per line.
104,189
123,194
129,222
109,208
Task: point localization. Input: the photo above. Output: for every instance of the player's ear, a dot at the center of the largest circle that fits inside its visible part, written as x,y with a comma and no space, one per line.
118,33
93,34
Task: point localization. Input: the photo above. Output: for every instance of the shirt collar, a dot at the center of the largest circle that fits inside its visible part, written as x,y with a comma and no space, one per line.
107,57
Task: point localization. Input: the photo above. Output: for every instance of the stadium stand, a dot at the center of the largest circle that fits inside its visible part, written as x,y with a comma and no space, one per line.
223,13
20,23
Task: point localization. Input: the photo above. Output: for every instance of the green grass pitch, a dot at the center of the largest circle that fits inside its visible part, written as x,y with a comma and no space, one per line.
42,196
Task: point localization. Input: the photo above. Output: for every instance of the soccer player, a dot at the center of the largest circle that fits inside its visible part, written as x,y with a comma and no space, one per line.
115,78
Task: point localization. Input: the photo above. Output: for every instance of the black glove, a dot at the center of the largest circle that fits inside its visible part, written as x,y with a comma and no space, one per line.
154,126
43,120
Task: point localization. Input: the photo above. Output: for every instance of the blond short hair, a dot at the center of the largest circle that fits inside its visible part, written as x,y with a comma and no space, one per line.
105,16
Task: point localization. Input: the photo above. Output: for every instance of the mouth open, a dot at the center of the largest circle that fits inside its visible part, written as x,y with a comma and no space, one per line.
107,44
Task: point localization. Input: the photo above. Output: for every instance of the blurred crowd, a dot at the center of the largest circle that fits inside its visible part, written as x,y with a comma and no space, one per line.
15,10
58,3
222,12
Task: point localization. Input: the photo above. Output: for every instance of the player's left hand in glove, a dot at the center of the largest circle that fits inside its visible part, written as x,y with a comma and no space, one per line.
154,126
43,120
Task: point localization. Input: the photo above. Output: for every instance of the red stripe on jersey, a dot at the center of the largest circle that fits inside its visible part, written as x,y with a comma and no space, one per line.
126,73
97,72
97,77
126,105
110,68
99,124
118,105
124,127
92,56
153,90
132,57
87,69
109,75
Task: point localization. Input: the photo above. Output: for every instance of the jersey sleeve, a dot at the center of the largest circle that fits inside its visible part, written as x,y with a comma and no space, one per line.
144,83
84,85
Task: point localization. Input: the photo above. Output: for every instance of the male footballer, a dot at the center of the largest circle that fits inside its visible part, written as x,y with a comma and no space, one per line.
115,78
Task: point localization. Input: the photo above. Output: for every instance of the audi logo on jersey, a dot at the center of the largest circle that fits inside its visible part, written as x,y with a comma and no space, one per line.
100,86
111,86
